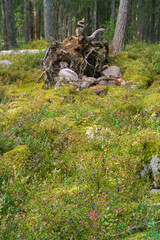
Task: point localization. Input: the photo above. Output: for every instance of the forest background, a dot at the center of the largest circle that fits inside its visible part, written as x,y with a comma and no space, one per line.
26,19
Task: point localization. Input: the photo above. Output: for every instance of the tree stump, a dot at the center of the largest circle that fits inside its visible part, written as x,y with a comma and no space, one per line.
79,53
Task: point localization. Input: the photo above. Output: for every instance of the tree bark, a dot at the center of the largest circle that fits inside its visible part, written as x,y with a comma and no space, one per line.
4,19
121,26
36,14
8,24
26,21
95,15
157,21
113,11
48,20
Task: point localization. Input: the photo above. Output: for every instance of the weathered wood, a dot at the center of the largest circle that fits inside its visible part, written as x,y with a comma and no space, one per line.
79,52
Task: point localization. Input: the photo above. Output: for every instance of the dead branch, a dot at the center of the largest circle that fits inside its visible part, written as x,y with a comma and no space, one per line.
40,77
91,37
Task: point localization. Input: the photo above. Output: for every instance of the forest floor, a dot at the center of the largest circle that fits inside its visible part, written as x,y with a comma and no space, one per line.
70,160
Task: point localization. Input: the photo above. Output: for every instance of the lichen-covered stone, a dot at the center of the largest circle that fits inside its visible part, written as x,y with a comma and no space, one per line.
112,72
153,169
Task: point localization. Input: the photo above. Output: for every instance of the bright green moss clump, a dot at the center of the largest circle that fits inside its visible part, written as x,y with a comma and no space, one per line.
145,145
38,44
152,103
18,158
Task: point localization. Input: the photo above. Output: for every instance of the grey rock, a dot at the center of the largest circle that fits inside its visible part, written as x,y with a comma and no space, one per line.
102,78
155,191
68,74
113,72
16,52
109,83
154,168
5,62
84,85
90,80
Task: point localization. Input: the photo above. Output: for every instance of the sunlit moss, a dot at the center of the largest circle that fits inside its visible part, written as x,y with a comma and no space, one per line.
152,103
16,159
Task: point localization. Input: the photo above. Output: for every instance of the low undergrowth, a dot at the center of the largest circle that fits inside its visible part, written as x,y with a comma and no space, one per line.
70,161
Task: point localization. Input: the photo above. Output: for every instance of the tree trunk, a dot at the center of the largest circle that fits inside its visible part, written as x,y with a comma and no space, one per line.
95,15
121,26
48,19
157,21
113,11
4,18
36,15
8,24
26,21
11,24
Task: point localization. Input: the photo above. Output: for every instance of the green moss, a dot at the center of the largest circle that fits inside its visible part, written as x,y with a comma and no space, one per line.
38,44
16,159
137,80
46,129
70,173
136,236
146,144
152,103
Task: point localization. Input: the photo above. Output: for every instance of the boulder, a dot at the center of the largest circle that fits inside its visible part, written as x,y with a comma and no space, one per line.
68,74
153,169
112,72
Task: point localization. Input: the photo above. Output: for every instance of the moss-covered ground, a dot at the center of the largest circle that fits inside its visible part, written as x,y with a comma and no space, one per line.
70,160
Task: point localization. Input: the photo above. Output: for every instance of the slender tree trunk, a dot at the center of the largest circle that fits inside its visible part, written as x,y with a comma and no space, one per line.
26,21
4,18
153,21
121,26
113,11
157,21
48,19
36,16
95,15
